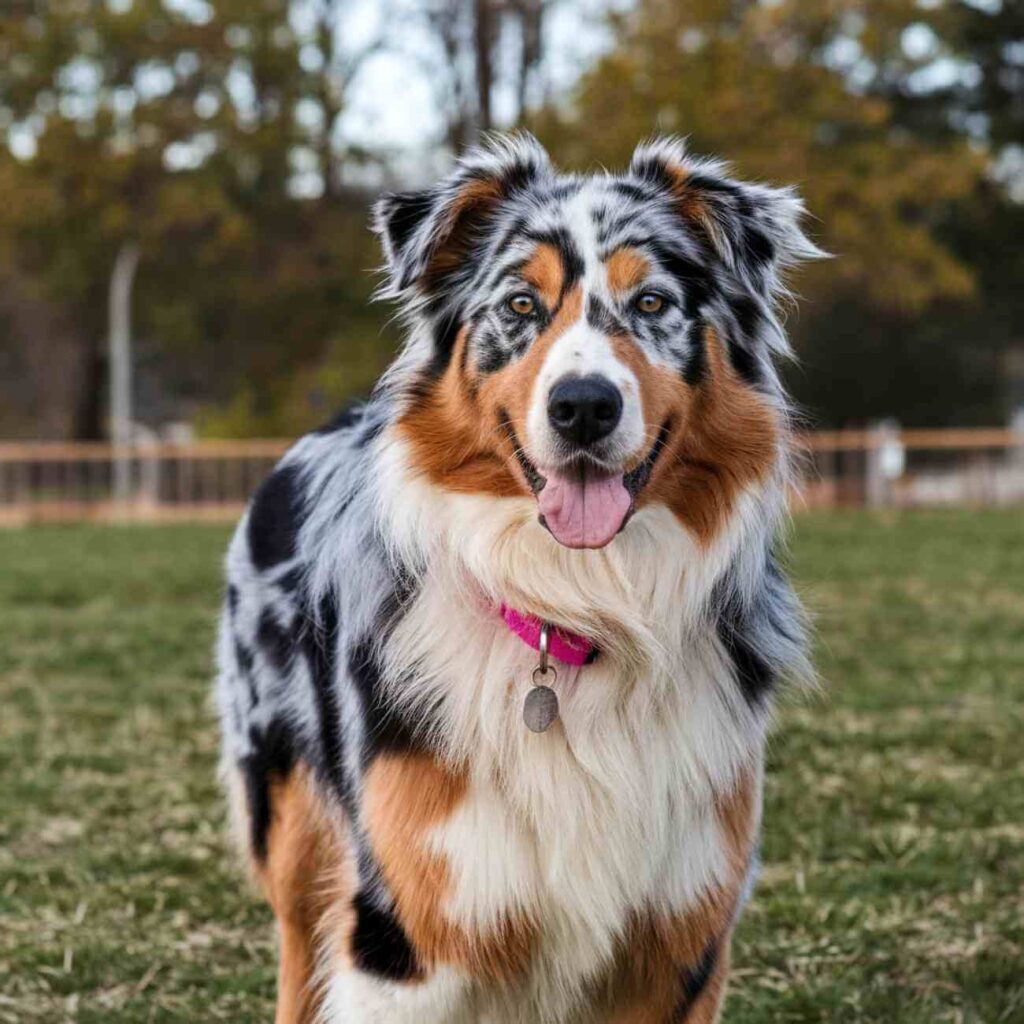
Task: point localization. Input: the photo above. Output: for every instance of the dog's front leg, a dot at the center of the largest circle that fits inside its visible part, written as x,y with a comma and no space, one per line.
674,989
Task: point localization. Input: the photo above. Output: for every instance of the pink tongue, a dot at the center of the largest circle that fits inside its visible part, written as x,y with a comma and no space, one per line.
583,513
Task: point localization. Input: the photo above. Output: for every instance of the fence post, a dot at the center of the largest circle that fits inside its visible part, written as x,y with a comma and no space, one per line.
149,467
120,355
884,461
1017,432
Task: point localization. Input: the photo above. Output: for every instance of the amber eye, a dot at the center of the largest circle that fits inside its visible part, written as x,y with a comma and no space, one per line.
650,302
522,303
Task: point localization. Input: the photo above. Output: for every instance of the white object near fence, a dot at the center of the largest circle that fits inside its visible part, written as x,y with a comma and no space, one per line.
120,353
886,460
212,480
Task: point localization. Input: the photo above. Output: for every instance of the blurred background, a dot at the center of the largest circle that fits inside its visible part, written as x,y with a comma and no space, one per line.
184,253
185,276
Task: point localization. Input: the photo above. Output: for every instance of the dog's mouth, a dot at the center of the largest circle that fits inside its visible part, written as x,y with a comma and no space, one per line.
580,503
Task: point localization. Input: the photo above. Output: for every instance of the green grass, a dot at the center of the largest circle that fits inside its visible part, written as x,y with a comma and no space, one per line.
893,887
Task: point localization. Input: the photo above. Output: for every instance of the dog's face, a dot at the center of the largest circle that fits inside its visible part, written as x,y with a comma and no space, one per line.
598,342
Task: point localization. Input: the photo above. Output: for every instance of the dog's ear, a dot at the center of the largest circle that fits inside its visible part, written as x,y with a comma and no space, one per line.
429,237
755,230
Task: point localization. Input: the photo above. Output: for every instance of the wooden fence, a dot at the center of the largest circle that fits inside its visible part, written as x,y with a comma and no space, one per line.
212,480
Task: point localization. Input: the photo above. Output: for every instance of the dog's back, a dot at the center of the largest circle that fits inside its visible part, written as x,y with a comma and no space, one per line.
429,857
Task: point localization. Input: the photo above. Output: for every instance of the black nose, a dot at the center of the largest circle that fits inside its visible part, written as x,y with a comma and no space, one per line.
584,409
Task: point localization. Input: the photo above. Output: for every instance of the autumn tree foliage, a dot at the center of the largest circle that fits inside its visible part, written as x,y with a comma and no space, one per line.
211,134
206,135
824,96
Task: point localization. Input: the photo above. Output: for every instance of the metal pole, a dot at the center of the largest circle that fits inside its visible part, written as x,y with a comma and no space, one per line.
121,281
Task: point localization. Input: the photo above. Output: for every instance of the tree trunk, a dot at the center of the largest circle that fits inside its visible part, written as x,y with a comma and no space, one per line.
483,39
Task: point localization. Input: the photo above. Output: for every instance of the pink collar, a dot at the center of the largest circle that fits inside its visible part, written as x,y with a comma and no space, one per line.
570,648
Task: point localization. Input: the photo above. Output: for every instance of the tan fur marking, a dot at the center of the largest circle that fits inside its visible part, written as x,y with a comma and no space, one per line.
546,272
405,798
707,1008
476,197
724,435
302,845
657,950
626,268
738,815
691,203
453,430
727,440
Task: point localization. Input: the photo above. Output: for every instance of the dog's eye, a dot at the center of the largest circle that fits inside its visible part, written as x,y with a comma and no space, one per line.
650,302
522,303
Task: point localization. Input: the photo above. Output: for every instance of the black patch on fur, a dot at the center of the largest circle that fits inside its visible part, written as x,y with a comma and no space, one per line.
274,519
696,365
379,945
706,183
232,599
696,280
371,431
291,581
492,355
616,229
749,316
273,754
446,333
637,479
386,730
277,644
745,363
637,192
759,246
319,641
694,980
492,359
244,660
517,177
755,674
343,419
564,190
601,318
501,242
406,211
655,171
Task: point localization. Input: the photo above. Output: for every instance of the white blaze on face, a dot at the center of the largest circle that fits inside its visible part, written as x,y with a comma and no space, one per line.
585,509
583,351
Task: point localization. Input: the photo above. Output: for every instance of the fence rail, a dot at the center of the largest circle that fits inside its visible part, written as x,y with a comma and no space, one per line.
212,480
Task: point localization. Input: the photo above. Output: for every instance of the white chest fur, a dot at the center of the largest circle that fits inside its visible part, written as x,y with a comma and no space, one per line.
609,813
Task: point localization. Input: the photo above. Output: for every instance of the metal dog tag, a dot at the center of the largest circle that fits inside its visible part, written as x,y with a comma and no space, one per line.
540,708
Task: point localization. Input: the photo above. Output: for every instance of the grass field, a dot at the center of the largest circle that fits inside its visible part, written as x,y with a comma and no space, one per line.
893,887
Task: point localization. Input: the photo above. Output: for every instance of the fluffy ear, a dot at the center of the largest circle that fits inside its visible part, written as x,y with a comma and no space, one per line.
429,236
755,230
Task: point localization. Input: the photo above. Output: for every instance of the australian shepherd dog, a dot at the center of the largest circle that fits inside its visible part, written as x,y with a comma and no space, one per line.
499,646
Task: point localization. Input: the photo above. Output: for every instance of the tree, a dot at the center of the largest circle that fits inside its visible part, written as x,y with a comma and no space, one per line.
774,89
484,47
206,135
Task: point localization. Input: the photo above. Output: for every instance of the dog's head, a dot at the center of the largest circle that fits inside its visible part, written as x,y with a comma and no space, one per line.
600,342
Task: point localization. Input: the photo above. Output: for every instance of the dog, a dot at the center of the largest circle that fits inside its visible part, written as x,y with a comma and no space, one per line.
499,646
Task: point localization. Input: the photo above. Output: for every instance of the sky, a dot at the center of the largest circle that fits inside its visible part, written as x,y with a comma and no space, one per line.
392,103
